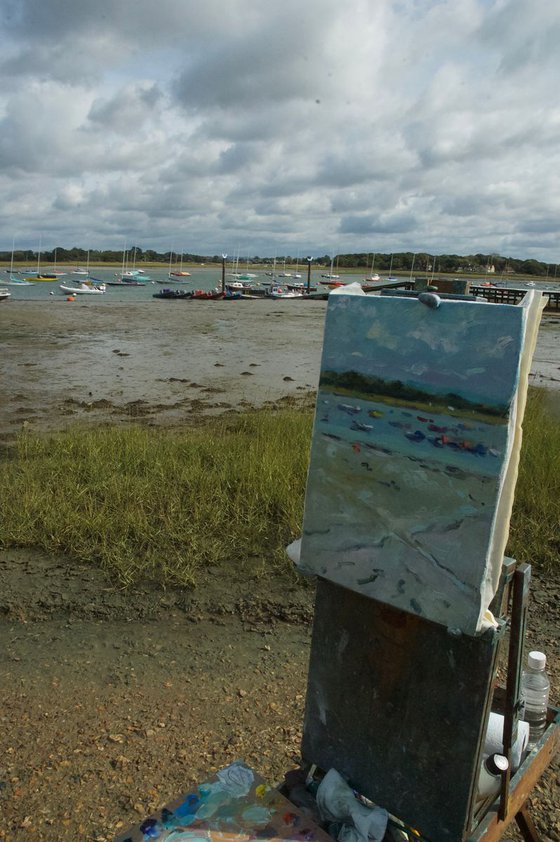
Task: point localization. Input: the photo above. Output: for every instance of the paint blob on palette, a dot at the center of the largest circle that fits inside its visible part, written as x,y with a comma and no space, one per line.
415,448
235,805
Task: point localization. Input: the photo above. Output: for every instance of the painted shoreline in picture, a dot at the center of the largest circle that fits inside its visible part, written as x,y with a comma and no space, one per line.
412,437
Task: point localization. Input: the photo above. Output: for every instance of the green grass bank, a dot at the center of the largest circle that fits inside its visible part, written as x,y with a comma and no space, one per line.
165,503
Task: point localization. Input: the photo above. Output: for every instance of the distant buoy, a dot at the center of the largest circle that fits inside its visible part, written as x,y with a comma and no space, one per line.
71,298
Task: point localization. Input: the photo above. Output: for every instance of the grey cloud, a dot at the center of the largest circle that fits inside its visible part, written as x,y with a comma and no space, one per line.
127,110
397,223
523,35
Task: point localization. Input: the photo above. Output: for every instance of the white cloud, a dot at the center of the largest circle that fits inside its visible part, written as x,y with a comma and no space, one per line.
322,126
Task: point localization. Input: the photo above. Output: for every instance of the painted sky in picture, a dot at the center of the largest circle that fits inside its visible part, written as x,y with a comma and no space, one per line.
290,127
460,347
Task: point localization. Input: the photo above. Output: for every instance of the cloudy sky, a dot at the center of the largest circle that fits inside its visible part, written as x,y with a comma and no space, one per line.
294,127
365,334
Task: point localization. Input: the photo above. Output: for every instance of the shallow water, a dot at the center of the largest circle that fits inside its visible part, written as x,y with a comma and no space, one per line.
202,278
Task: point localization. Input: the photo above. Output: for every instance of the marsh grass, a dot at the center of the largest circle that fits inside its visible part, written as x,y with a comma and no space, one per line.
163,504
535,522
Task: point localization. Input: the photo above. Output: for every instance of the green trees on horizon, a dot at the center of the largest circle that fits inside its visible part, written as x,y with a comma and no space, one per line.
418,263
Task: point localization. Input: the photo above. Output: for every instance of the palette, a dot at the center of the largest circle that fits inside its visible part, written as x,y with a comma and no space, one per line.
234,805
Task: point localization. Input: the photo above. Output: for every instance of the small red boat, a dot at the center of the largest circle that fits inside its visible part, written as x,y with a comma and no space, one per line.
202,295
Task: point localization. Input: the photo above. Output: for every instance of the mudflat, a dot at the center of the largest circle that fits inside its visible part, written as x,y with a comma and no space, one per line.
165,362
115,701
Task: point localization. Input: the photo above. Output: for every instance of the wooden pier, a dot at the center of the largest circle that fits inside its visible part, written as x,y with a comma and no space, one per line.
509,295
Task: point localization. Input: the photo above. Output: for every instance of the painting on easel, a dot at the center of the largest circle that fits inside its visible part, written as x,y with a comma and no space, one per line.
414,432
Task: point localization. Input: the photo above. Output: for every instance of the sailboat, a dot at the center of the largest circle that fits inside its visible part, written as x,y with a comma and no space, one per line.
54,271
241,276
175,276
129,277
373,276
134,274
36,274
13,281
283,273
178,273
331,276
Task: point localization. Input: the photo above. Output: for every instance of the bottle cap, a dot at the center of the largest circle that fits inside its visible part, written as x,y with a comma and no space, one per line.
536,660
496,764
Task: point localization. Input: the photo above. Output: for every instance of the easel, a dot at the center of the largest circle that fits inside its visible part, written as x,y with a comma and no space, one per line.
400,706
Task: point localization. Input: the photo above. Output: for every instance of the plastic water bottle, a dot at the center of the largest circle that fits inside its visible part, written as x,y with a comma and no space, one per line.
535,687
490,777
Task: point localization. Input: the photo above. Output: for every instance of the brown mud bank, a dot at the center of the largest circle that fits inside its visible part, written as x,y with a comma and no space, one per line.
159,365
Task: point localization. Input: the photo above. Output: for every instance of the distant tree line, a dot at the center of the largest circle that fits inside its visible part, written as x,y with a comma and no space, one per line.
372,387
405,261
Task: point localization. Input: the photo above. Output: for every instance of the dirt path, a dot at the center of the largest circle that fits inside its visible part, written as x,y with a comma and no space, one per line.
114,702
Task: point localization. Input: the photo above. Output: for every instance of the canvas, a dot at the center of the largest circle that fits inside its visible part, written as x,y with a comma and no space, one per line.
415,447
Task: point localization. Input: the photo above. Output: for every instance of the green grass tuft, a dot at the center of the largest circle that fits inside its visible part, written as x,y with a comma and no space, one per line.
535,522
160,503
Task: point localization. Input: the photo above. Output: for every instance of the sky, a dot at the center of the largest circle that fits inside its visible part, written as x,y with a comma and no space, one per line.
300,127
401,339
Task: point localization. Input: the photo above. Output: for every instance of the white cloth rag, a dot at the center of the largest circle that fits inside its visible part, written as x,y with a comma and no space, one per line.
337,802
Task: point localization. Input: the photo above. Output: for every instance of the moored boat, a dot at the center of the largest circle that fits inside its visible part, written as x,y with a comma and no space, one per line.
85,288
5,294
207,295
17,282
123,281
173,294
133,274
277,291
